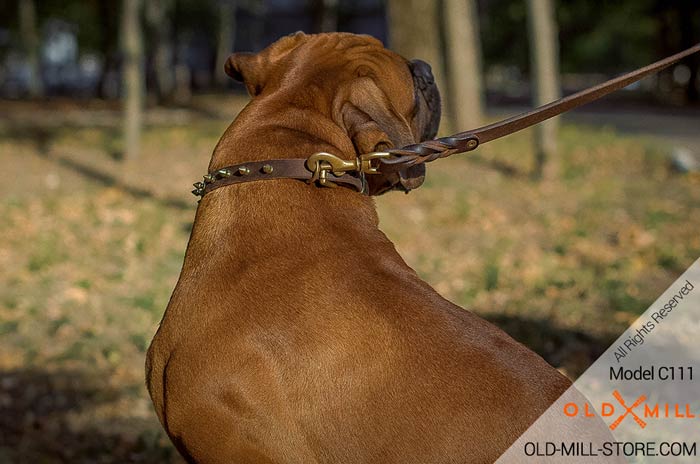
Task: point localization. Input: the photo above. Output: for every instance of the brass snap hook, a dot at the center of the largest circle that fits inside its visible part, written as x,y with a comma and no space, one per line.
322,163
366,159
337,166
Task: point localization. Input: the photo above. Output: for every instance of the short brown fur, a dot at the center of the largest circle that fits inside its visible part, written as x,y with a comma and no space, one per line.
296,333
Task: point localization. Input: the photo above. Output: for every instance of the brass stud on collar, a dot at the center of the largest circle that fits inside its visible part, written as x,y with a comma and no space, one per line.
244,170
267,168
472,143
223,173
208,179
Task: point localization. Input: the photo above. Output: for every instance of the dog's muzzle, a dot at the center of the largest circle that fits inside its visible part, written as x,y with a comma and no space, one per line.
426,118
427,99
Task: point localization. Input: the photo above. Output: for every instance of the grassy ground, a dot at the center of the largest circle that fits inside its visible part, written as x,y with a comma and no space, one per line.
90,250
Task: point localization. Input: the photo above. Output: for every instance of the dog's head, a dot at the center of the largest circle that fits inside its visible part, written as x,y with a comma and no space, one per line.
377,98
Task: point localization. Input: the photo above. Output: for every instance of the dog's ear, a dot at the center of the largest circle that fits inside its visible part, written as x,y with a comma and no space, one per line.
370,119
373,124
252,69
245,67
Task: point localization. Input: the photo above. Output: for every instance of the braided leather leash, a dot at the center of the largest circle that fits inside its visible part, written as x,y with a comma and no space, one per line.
443,147
329,170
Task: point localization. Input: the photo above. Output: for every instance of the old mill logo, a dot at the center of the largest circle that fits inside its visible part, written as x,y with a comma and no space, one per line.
639,410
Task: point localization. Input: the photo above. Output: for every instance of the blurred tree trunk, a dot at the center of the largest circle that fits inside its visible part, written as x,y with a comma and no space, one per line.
414,32
227,31
133,77
182,93
464,63
325,14
544,78
158,15
30,41
183,83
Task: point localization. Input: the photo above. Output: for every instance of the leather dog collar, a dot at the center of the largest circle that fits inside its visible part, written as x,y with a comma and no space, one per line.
328,170
272,169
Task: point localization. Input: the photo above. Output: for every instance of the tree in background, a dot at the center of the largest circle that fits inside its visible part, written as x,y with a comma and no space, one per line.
158,15
132,77
30,41
225,41
414,33
544,72
464,63
591,39
325,15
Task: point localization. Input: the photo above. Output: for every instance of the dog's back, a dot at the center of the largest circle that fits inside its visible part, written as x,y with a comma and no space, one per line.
308,353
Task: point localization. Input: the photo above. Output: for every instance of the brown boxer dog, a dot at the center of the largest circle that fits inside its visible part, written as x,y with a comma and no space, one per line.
296,333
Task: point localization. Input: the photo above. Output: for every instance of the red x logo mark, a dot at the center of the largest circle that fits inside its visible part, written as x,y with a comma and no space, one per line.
628,410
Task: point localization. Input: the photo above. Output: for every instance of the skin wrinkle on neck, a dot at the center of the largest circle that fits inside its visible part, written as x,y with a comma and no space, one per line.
248,137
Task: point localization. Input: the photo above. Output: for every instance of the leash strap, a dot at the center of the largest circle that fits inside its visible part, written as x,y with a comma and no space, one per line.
443,147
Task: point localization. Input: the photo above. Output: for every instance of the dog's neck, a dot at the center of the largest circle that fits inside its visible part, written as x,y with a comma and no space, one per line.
281,216
263,131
